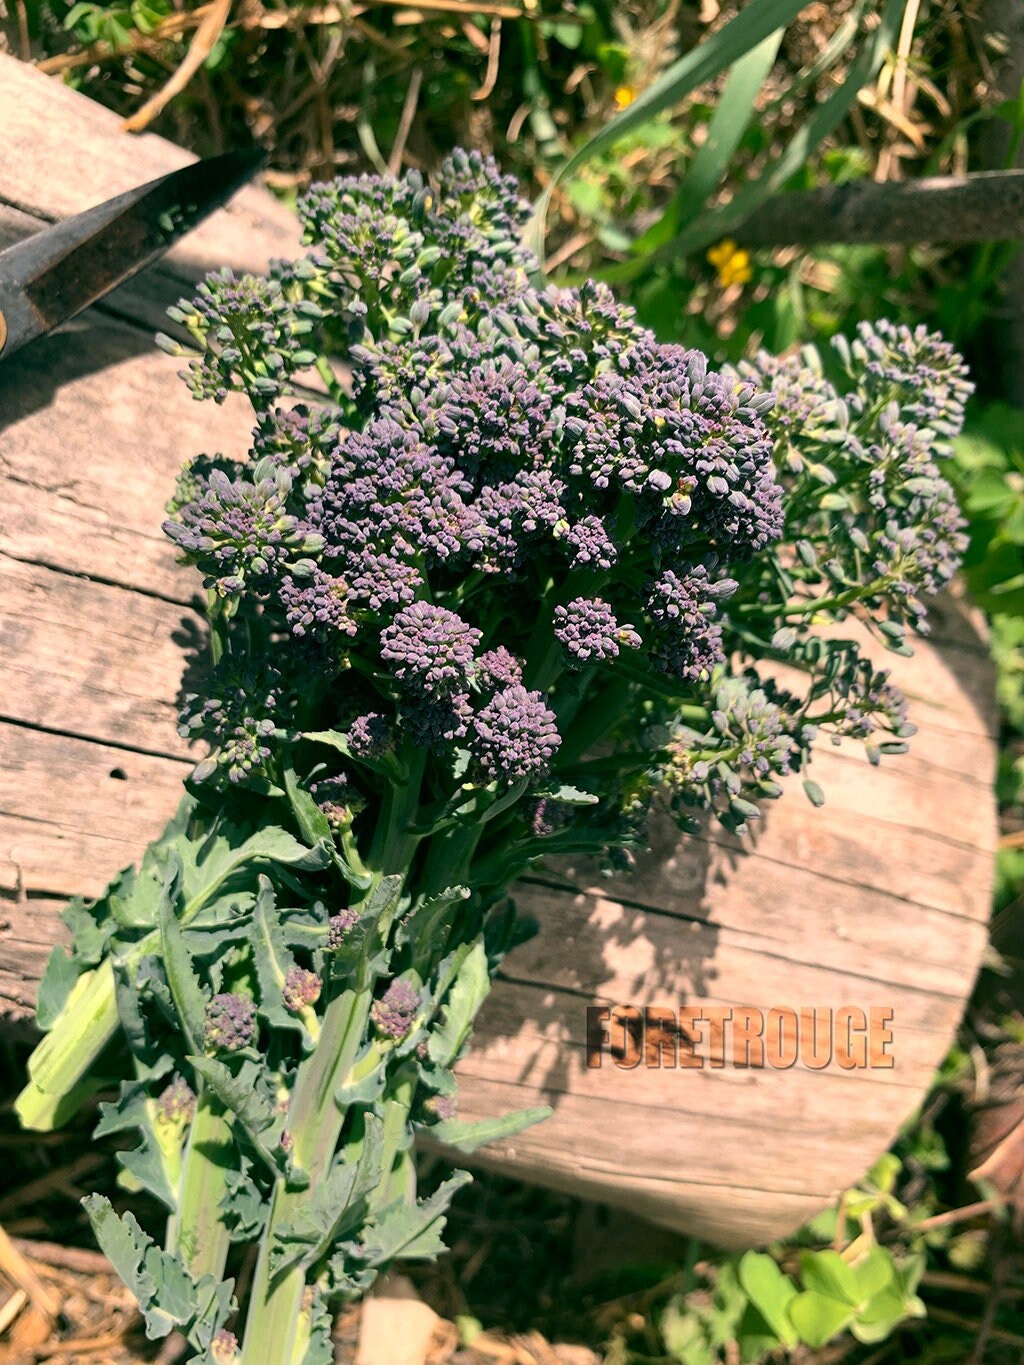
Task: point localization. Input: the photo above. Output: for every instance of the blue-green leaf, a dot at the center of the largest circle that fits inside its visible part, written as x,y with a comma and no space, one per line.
55,987
469,1137
186,992
471,988
412,1232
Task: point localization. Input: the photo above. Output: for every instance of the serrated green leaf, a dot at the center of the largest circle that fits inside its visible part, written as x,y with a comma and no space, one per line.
334,1203
186,992
316,1323
412,1232
58,981
155,1164
426,922
140,1265
469,1137
471,988
312,822
357,956
241,1093
242,1205
273,961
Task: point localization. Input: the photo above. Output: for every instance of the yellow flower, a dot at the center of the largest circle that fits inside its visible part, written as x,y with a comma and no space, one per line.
731,262
624,96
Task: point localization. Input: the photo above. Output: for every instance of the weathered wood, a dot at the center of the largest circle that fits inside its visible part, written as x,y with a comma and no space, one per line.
881,898
985,206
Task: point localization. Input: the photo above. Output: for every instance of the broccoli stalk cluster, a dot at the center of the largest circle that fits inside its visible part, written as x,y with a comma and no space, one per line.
507,576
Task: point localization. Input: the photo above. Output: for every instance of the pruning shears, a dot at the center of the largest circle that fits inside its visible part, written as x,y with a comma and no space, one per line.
52,275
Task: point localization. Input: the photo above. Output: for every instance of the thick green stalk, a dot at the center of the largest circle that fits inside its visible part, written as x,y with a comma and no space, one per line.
86,1025
196,1232
315,1117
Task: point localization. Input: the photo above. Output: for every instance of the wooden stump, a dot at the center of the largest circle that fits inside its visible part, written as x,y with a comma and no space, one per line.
880,899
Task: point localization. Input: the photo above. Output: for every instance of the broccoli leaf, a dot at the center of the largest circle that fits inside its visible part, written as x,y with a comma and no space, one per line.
184,984
467,995
58,981
273,961
165,1290
468,1137
414,1233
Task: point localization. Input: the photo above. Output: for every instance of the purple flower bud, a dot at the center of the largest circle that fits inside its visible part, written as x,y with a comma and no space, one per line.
177,1102
430,646
499,668
301,988
589,633
394,1012
442,1107
371,735
224,1347
338,926
515,735
230,1023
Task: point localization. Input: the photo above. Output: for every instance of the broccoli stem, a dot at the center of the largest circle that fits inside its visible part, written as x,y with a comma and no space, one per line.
197,1232
315,1118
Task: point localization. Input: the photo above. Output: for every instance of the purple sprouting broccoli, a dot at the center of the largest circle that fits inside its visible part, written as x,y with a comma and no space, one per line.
239,531
497,668
230,1023
589,633
371,735
690,445
388,491
588,544
224,1348
866,701
394,1012
301,988
316,604
339,799
237,717
515,735
430,647
686,639
298,440
917,369
338,927
441,1108
495,421
252,337
176,1103
436,721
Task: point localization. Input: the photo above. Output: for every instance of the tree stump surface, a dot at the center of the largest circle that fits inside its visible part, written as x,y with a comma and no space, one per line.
879,899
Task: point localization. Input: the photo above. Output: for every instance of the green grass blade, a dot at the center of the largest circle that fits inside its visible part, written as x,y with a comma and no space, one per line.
758,21
716,223
728,124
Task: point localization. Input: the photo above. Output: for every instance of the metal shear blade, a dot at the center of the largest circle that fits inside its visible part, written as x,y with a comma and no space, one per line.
52,275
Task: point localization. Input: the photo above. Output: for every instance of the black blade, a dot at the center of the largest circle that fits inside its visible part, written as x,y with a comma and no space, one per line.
60,270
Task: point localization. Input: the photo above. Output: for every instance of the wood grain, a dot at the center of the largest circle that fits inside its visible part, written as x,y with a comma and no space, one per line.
881,898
